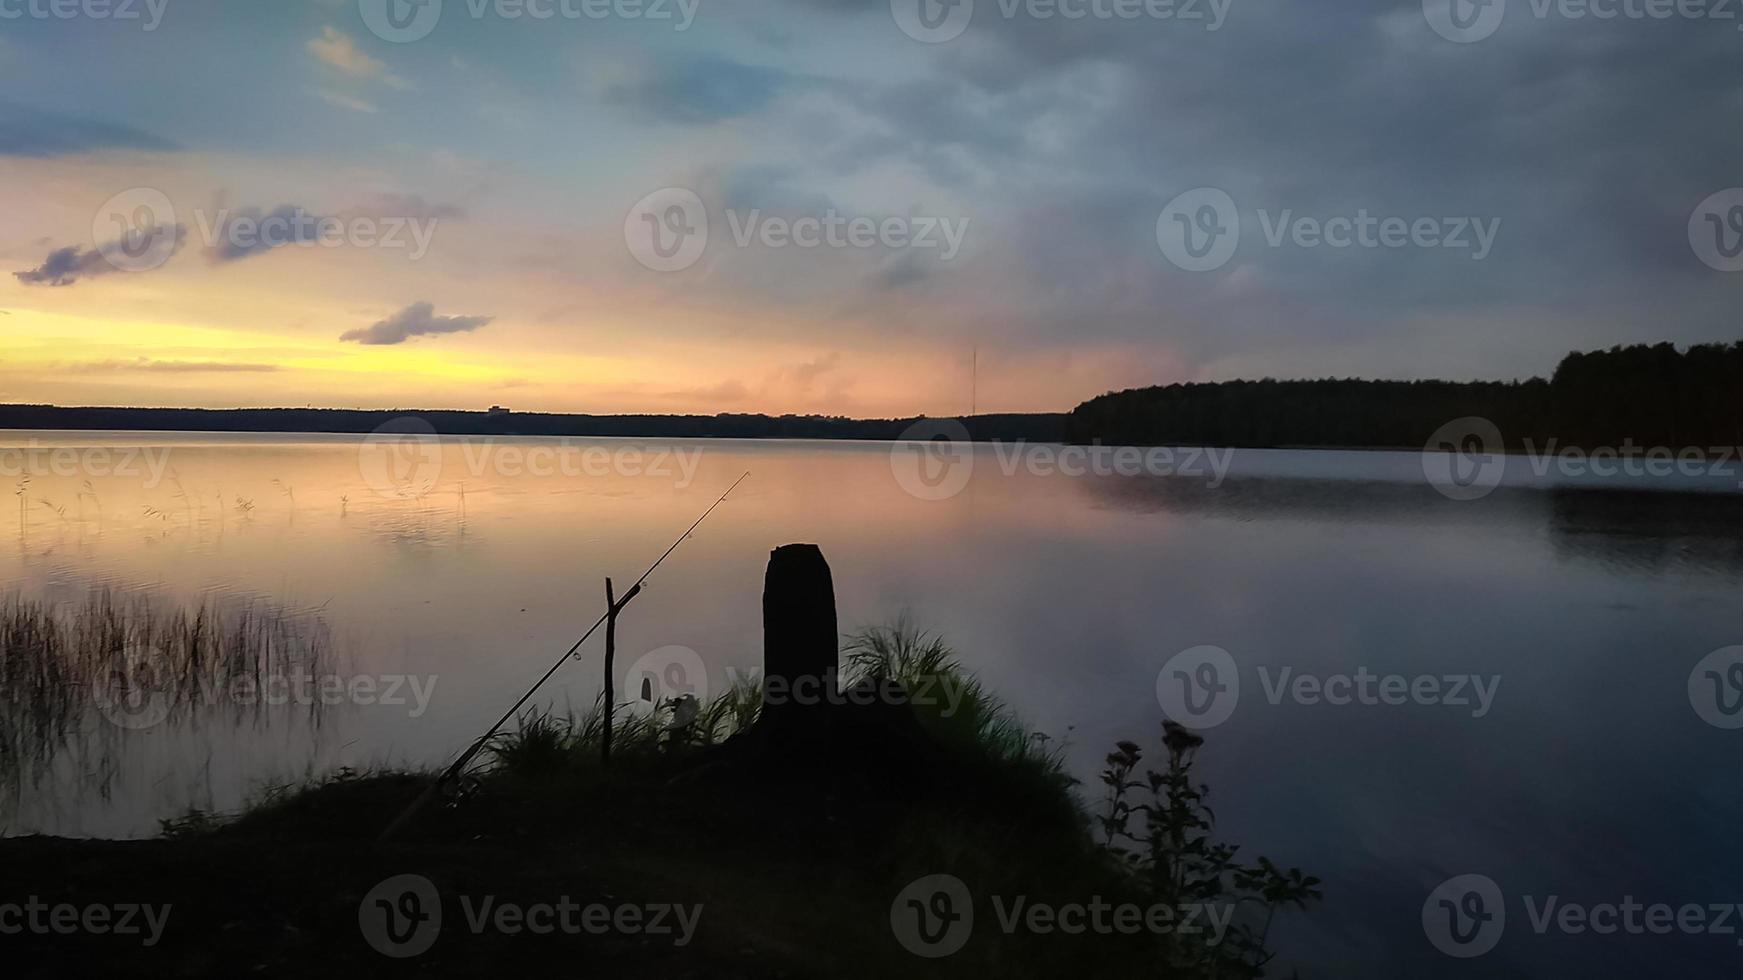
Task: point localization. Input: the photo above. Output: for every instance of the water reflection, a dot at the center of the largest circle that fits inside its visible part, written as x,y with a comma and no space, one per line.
1591,776
1623,530
86,685
1649,533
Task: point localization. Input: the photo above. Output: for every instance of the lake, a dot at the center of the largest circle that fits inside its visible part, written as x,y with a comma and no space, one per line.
1404,688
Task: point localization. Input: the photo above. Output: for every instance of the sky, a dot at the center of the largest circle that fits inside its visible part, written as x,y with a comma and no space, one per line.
871,208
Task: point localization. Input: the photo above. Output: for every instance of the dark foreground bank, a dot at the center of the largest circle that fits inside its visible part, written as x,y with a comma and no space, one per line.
877,836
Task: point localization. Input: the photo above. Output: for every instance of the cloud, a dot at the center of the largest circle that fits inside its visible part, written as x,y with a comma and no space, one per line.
728,392
416,320
902,269
1320,112
239,234
346,101
175,367
65,266
701,90
408,206
27,132
337,50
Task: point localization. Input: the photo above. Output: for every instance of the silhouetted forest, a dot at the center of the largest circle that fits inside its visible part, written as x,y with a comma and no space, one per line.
1651,395
1034,427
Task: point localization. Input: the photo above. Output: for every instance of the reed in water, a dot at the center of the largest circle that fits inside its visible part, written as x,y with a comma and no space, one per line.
77,676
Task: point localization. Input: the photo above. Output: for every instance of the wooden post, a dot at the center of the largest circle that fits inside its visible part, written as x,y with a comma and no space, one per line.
610,661
801,647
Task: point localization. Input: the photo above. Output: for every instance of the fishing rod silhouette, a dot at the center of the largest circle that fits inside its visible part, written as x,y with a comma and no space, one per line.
613,606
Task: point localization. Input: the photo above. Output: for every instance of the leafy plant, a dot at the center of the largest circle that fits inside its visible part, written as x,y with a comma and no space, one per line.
1165,841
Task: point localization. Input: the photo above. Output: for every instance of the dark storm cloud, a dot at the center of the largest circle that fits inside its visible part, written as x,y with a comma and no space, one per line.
1589,141
416,320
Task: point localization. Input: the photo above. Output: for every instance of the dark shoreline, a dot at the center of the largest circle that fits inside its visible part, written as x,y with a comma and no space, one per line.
1034,427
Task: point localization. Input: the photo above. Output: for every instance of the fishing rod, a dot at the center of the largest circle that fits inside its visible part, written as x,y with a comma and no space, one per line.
453,772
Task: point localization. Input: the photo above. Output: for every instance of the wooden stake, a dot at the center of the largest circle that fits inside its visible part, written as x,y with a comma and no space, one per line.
611,608
455,771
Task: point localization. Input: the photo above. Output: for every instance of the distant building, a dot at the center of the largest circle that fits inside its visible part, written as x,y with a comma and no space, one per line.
497,410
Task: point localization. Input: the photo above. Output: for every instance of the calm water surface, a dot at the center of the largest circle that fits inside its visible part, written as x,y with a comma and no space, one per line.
1590,777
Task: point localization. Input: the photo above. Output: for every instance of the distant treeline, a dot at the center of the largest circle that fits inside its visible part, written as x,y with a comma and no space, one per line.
1041,428
1647,395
